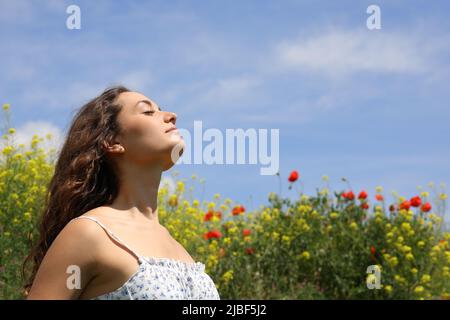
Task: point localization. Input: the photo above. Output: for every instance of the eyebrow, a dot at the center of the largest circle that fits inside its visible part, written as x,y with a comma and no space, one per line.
147,102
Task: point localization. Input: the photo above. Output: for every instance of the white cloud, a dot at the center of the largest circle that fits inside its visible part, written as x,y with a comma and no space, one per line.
139,80
169,182
230,90
24,135
344,52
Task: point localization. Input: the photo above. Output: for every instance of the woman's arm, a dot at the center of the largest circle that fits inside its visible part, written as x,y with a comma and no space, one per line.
69,264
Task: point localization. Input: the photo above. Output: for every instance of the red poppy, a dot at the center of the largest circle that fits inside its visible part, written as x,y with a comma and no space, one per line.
405,205
365,205
426,207
415,201
246,232
212,234
219,214
249,250
379,197
392,207
221,252
208,216
372,250
362,195
238,210
293,176
348,195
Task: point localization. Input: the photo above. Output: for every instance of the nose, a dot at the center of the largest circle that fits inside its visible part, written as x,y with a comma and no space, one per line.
171,117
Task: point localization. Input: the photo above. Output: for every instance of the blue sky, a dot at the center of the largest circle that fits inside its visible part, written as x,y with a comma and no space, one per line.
368,105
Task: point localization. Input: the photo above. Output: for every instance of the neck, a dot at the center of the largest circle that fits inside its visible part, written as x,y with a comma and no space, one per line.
138,192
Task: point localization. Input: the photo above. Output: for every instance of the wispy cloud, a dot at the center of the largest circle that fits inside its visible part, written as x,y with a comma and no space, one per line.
345,52
24,135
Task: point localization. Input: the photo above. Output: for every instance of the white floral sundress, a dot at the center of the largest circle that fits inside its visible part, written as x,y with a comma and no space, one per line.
162,278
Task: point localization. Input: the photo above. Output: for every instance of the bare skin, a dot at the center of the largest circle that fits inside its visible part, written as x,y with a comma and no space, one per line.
142,152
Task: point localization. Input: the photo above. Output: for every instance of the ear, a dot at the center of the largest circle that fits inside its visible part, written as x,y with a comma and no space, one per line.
115,148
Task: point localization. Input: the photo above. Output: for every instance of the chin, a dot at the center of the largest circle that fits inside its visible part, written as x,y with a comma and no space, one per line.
174,153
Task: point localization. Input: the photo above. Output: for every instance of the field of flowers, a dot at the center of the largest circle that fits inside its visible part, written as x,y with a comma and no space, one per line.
309,247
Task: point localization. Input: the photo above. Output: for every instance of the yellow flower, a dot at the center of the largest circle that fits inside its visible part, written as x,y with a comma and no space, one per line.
379,189
406,226
211,205
173,200
6,106
305,227
325,178
426,278
226,240
334,215
388,288
418,289
180,187
399,278
436,248
414,270
306,255
12,130
266,217
275,235
425,194
7,150
34,142
27,216
409,256
443,196
285,238
227,276
393,261
353,226
195,203
406,249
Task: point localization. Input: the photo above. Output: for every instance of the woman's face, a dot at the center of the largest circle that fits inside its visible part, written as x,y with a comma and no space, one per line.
144,135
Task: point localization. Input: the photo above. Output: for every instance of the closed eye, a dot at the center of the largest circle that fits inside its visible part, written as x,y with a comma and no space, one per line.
150,112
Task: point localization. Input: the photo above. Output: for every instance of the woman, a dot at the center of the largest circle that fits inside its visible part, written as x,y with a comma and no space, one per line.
100,237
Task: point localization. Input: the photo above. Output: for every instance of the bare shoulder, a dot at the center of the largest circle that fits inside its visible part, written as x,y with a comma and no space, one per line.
75,249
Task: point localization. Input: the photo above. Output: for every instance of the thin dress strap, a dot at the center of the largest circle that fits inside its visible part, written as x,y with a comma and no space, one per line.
112,235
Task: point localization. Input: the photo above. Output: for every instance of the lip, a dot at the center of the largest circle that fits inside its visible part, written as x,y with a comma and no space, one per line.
171,129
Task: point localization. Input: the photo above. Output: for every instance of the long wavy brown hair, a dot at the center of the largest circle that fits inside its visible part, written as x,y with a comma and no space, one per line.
84,176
